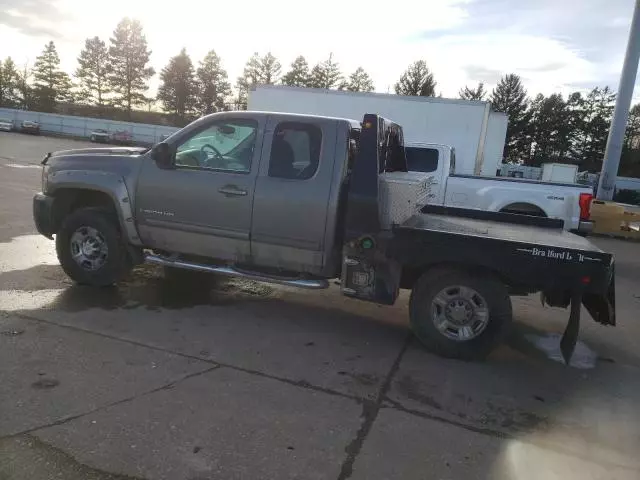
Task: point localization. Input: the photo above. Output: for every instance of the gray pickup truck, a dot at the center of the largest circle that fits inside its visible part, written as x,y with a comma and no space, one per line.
297,200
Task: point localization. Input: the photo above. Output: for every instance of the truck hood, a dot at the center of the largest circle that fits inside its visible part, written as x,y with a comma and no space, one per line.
121,161
97,151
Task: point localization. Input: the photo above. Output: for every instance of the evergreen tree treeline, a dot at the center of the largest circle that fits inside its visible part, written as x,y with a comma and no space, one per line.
116,74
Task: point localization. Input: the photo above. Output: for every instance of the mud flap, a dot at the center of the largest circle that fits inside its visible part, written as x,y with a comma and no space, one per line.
570,336
602,308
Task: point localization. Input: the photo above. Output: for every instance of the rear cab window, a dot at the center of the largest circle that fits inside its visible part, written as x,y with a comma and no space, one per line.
295,151
420,159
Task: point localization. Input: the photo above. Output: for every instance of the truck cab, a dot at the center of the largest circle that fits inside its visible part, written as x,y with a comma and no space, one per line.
437,160
242,188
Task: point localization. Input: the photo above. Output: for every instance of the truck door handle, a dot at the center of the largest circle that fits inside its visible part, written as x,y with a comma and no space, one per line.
232,190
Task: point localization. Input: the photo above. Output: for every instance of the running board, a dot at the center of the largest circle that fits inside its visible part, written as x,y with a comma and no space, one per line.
313,284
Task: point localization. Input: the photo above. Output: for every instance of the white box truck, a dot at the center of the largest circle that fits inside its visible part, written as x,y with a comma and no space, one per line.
477,133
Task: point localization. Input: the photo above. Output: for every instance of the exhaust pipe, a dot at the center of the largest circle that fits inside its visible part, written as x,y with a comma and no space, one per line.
312,284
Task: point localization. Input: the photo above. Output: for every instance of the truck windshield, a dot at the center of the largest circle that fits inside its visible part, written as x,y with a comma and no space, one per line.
421,159
223,139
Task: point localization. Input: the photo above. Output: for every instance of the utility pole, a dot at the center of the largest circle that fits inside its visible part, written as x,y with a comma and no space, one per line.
607,183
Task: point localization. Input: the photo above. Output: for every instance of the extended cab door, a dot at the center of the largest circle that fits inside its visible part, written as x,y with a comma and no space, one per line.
293,188
203,206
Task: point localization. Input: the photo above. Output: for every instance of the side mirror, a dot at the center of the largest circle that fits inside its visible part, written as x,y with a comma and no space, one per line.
163,156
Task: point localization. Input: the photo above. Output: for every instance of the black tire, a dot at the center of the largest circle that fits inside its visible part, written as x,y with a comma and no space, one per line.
492,291
117,263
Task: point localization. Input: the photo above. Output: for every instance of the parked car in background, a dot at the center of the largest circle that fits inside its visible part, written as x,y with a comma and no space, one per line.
6,125
100,135
122,137
28,126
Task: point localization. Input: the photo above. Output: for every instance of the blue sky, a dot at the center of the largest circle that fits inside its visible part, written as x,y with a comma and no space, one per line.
554,45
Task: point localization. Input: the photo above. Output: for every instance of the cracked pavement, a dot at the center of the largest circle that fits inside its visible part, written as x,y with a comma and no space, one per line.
232,379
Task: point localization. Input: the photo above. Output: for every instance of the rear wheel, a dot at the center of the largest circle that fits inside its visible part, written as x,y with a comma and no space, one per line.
90,248
458,314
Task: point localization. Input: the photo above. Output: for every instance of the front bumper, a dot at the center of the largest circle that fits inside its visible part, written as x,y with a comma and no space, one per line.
43,214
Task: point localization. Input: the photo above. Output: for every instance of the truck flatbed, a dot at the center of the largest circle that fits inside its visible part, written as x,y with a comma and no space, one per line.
549,258
447,224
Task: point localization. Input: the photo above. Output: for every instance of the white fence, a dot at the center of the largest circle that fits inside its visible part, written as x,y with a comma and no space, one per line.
68,125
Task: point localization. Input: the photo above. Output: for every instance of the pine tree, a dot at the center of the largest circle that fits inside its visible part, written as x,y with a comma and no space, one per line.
24,91
477,93
325,74
593,117
417,80
630,159
359,81
249,79
510,97
128,59
51,85
632,133
8,83
551,129
257,71
298,75
177,92
92,71
269,70
213,86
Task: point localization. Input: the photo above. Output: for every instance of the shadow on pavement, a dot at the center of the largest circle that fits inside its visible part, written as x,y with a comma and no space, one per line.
147,286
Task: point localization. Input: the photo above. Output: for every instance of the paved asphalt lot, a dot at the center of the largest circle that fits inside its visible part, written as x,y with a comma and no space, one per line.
240,380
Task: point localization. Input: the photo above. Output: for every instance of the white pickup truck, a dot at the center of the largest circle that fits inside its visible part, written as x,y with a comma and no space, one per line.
566,201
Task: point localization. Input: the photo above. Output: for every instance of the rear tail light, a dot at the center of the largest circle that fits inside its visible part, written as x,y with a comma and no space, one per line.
585,205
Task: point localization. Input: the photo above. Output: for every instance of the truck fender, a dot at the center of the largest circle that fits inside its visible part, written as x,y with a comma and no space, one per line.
109,183
497,207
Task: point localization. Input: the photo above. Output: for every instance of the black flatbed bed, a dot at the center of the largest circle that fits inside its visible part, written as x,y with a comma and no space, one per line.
508,232
527,257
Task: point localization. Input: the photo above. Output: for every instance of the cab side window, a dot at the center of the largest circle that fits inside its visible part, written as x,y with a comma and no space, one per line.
295,151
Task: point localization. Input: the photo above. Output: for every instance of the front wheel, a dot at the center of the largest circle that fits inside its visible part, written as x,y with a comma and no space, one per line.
459,314
90,248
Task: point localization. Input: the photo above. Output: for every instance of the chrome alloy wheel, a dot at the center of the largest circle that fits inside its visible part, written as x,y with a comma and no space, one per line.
89,248
459,313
